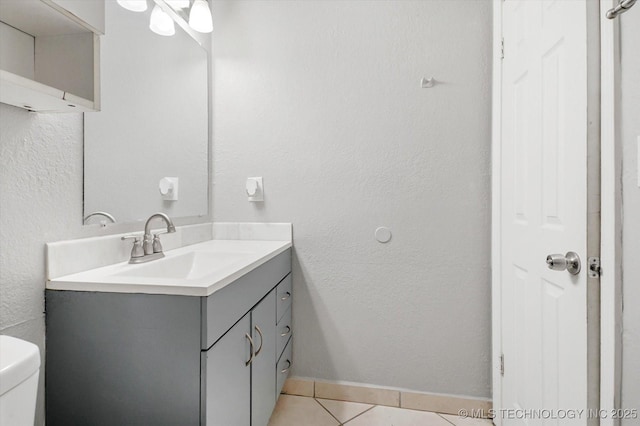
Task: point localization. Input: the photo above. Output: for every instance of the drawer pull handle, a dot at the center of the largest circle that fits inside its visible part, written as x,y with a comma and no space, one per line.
286,296
286,369
251,351
261,339
286,332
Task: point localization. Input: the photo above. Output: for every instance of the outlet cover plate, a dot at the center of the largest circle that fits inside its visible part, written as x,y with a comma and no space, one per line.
254,189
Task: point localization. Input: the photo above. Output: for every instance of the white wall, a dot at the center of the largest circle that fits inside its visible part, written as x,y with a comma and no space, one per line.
323,99
40,201
630,39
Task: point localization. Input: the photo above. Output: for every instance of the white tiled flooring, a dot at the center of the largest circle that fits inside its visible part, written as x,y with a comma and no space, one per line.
306,411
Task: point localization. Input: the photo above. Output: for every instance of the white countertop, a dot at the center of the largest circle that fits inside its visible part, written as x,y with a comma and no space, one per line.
195,270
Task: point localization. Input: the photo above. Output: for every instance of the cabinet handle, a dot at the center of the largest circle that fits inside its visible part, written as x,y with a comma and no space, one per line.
286,369
286,296
261,339
286,332
251,351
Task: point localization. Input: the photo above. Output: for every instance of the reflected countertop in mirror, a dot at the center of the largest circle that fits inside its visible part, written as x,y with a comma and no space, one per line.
154,123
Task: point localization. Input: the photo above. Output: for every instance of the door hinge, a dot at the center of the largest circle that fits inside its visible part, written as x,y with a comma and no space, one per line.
502,364
594,267
502,48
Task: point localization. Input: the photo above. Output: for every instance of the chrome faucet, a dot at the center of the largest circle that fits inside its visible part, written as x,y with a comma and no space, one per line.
150,248
152,245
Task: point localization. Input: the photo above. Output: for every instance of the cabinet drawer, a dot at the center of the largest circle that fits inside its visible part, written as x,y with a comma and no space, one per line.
284,332
284,297
223,308
283,368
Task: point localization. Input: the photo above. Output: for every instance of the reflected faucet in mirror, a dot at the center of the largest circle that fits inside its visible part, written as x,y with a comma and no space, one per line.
105,214
150,248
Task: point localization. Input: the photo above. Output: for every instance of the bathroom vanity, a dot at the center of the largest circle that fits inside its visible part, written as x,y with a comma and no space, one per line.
201,337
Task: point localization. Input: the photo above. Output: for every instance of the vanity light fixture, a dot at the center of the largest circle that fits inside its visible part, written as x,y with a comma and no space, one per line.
200,17
134,5
161,23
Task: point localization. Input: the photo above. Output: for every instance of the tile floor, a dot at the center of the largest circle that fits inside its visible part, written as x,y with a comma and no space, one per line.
306,411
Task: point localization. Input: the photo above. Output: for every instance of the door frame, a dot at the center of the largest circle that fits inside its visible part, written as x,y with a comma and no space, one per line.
610,207
611,215
496,203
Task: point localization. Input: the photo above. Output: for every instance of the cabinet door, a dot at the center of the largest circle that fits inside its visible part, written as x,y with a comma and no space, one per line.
263,381
228,378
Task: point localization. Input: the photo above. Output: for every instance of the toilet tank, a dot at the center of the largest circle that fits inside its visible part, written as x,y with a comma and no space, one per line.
19,369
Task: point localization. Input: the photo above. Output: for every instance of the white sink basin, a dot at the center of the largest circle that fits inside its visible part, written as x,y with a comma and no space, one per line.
197,270
192,265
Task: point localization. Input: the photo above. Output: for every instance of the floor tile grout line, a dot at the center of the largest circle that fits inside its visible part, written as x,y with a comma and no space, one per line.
445,419
340,423
355,417
327,410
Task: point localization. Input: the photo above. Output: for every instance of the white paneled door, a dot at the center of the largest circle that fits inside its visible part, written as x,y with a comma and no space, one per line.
543,211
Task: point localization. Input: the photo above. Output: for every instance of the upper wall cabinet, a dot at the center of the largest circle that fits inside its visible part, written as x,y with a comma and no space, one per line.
49,54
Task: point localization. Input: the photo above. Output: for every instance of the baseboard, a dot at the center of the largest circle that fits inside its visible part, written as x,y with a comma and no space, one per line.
355,392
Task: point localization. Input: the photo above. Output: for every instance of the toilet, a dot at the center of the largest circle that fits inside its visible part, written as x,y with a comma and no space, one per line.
19,370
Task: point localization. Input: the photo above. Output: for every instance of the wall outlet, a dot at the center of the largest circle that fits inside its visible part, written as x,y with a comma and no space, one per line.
168,187
254,189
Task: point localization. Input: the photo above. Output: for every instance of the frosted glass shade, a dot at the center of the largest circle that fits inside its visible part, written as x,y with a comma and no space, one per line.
134,5
161,23
200,17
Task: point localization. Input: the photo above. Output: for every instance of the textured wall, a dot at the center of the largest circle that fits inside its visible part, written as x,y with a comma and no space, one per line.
630,27
40,201
323,99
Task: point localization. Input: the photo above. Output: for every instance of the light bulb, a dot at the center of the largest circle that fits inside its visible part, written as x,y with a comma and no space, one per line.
161,23
178,4
200,17
134,5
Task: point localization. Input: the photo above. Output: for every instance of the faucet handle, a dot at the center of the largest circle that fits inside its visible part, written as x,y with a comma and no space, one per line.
136,250
157,245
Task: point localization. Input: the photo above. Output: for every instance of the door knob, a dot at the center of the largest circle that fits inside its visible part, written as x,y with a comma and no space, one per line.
560,262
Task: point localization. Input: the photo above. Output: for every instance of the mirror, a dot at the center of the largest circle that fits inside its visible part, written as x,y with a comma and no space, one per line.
153,124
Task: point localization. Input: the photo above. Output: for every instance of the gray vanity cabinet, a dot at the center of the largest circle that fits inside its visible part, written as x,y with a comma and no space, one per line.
154,359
